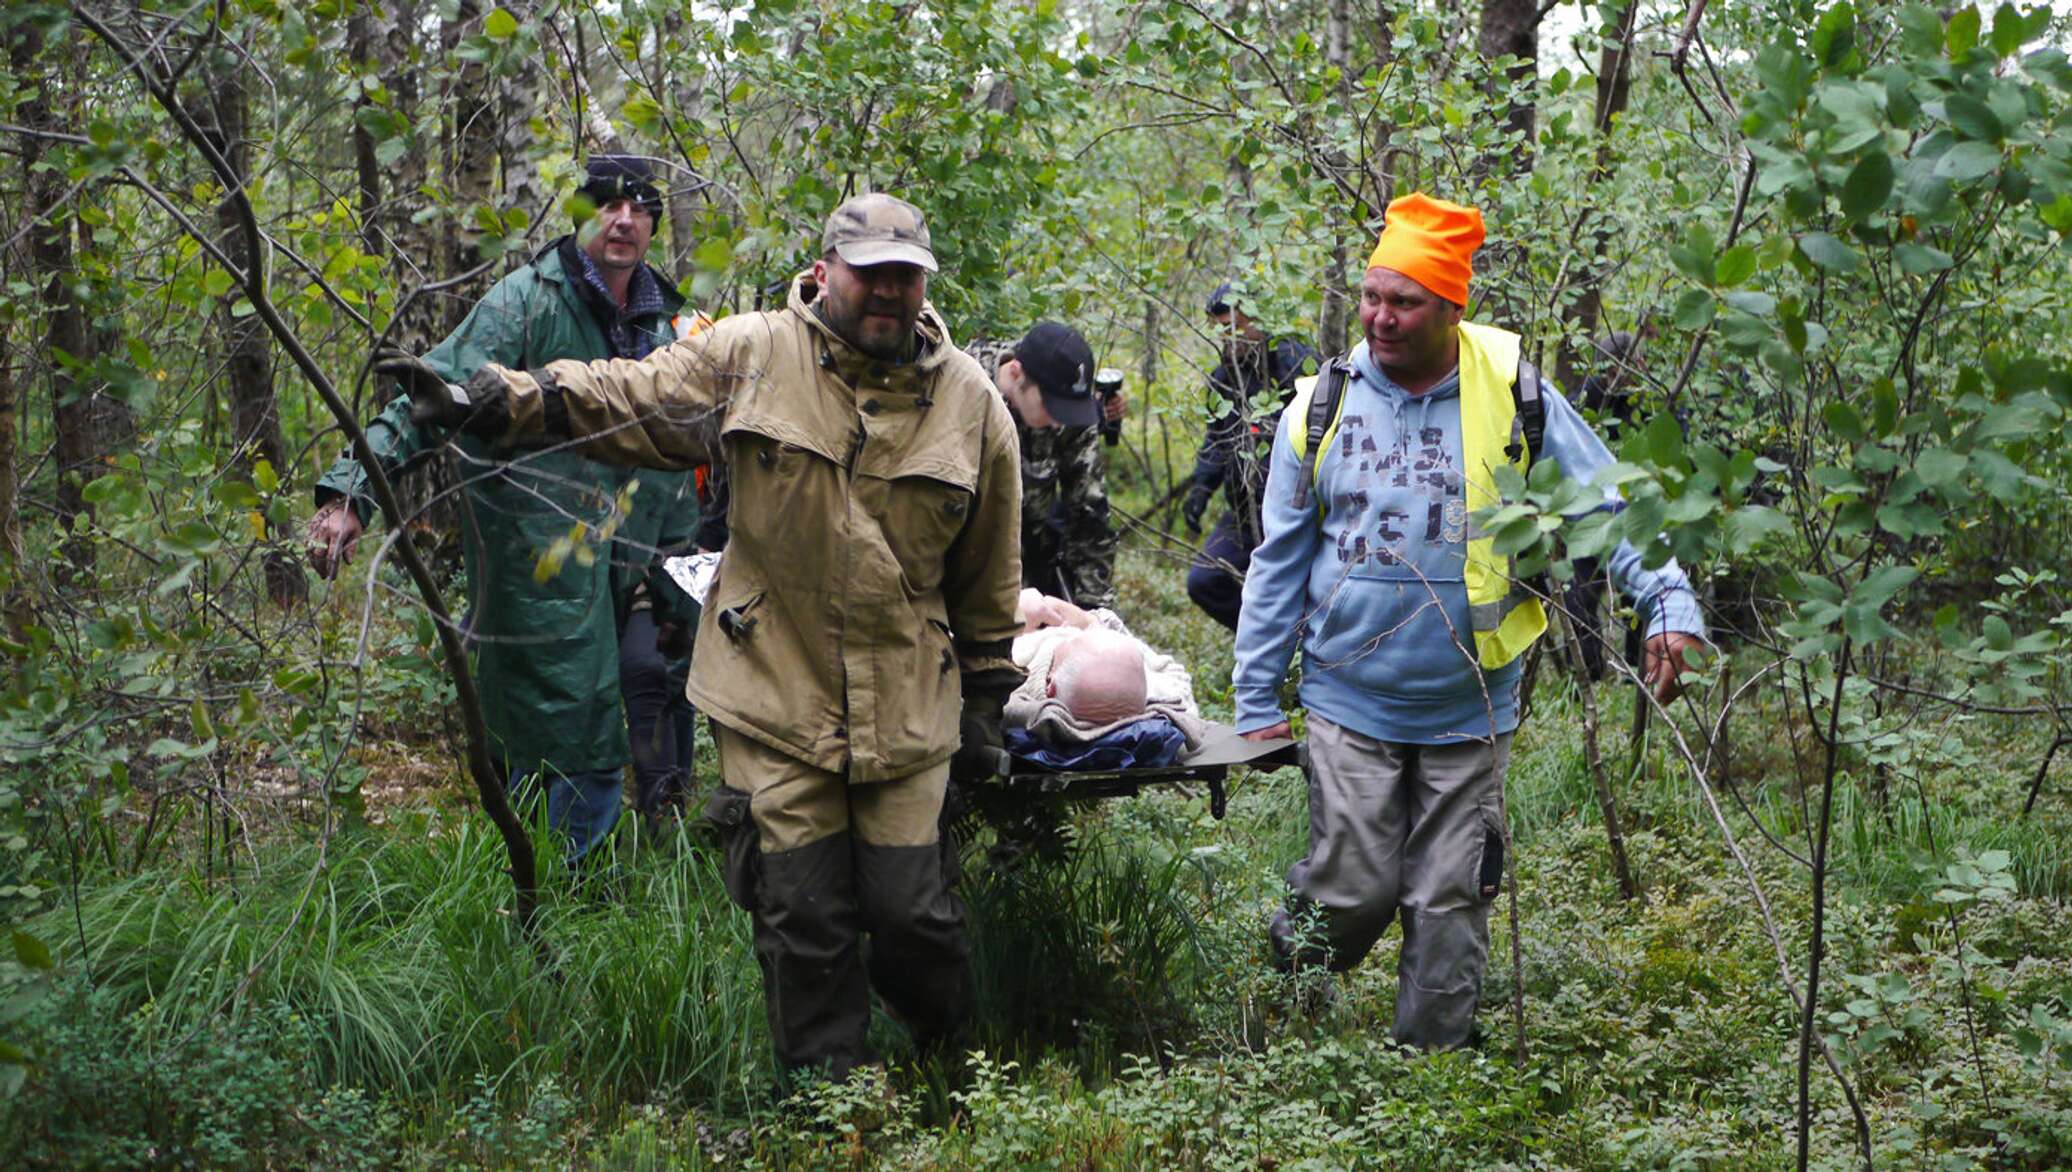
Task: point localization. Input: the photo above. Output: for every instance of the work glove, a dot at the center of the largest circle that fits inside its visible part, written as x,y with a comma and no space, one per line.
983,752
1197,503
478,406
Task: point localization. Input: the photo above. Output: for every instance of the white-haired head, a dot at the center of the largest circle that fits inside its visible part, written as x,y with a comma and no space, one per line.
1098,676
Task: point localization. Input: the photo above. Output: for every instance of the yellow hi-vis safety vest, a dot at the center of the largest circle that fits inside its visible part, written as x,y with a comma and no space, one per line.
1506,616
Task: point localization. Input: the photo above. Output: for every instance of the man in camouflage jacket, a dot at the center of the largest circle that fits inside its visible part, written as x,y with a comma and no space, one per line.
1068,545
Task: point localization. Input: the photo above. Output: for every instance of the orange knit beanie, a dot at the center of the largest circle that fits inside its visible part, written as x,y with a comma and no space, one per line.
1432,242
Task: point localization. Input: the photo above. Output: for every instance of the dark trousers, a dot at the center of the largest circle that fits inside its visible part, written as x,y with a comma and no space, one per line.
1584,600
582,805
1216,581
659,720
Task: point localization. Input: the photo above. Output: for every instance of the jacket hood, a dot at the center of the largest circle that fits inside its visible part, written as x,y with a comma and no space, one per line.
1447,387
935,333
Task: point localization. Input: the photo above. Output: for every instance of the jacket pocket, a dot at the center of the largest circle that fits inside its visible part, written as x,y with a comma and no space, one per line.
949,642
923,517
727,811
738,621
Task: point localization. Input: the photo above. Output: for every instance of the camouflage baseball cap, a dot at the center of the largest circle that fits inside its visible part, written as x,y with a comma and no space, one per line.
878,229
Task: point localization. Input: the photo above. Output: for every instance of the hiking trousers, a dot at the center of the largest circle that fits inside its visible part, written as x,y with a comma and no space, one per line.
820,863
1409,832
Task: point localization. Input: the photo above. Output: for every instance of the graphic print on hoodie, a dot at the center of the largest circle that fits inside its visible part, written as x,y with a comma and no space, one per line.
1375,588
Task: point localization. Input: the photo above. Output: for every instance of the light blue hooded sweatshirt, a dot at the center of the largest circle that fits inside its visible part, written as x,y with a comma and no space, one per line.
1374,590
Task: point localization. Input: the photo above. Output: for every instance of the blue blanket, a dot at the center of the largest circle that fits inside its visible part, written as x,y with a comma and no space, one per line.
1150,743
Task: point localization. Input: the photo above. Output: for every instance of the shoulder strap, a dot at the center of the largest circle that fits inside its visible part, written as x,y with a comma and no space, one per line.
1323,408
1531,416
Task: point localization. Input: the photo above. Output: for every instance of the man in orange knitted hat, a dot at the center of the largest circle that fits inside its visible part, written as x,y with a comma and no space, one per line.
1412,629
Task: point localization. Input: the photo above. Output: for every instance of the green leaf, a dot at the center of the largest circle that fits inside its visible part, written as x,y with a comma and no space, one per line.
1752,302
1878,587
31,952
1961,36
1999,636
500,25
1665,441
1868,186
1968,161
1642,520
1743,332
1973,118
1736,265
2009,30
1920,258
714,254
1694,309
1749,527
1828,252
1844,421
1884,407
1923,29
1940,466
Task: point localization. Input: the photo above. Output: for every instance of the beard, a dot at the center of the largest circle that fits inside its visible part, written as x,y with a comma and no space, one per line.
880,329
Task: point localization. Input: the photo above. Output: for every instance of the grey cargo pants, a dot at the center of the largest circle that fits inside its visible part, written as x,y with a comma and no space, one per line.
819,863
1415,829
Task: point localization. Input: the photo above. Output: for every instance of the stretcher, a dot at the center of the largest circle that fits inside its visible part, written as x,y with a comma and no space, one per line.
1208,764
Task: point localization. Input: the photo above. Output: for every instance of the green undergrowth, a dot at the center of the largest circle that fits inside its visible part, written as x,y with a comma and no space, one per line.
367,1002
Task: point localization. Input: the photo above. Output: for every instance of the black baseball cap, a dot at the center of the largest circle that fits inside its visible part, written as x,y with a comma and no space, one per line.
1057,359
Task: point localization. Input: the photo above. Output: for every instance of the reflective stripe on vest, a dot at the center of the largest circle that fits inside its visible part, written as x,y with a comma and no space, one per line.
1505,615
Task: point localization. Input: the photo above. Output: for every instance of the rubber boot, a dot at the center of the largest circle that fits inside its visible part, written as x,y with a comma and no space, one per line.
806,928
919,960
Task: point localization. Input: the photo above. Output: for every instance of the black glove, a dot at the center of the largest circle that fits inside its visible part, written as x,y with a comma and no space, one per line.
478,407
1197,503
672,640
983,752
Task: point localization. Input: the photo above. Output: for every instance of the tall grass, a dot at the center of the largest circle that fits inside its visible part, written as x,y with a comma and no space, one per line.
400,950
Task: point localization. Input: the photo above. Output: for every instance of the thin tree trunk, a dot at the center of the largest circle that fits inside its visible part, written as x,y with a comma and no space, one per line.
1512,28
14,559
64,320
1816,949
688,92
247,351
470,163
518,151
1332,323
1383,159
361,37
1585,313
1593,756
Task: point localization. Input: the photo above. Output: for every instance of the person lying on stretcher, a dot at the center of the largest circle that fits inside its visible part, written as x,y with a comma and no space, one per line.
1096,696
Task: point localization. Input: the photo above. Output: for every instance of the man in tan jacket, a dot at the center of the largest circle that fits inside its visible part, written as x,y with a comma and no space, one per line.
861,623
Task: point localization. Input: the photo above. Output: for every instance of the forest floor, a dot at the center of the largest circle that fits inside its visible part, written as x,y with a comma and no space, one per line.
360,999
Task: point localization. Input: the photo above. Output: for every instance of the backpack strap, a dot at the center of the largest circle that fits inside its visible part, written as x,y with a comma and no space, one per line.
1529,422
1323,409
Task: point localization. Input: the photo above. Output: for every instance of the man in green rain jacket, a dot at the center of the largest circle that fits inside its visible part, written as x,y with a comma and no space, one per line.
547,638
